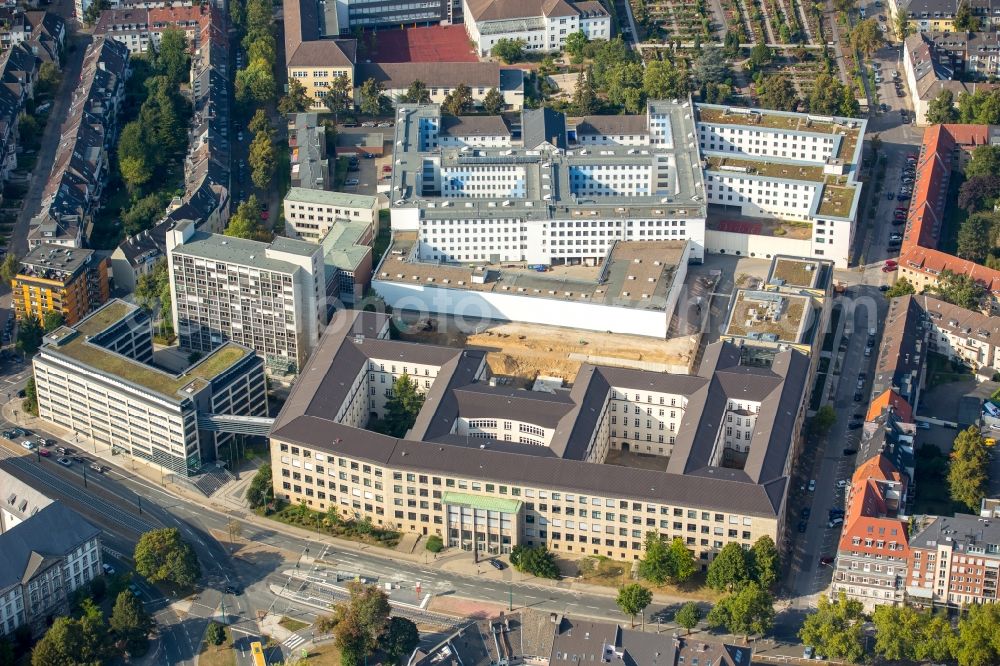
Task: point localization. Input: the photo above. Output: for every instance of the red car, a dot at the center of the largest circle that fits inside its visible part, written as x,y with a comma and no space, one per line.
264,215
890,263
44,453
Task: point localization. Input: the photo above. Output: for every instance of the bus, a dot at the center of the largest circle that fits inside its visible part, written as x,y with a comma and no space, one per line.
257,652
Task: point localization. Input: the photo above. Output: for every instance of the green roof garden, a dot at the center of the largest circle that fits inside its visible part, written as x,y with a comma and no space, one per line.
836,201
74,343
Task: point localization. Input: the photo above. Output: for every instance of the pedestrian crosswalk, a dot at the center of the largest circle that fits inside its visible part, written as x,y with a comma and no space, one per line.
293,641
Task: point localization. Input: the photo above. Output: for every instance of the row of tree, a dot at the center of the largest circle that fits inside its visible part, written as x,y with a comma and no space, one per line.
151,147
88,638
902,633
255,83
981,107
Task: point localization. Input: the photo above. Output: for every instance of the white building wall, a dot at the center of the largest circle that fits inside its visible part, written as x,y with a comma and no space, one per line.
528,309
596,27
749,245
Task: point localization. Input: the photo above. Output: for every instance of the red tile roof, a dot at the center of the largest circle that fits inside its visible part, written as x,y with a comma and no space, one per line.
867,509
930,193
890,398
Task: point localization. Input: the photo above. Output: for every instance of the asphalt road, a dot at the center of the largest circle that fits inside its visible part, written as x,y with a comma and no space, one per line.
862,307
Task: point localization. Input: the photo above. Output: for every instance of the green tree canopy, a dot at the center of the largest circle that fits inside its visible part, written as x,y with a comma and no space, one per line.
493,102
53,320
537,561
688,616
417,93
979,192
262,160
941,109
62,645
823,420
760,56
965,20
402,407
985,161
729,570
434,543
245,222
29,335
584,97
968,470
903,633
750,610
958,289
632,599
144,213
508,50
902,287
172,59
576,43
776,91
400,639
977,236
163,556
765,562
711,66
361,622
10,267
260,491
836,629
130,622
458,101
259,122
296,100
867,37
373,99
663,79
979,636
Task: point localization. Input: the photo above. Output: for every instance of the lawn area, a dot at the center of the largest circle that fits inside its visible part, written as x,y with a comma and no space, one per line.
933,496
324,654
292,624
218,655
940,370
612,573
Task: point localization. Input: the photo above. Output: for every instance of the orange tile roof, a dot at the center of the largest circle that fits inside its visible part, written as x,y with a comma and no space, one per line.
867,508
899,405
930,193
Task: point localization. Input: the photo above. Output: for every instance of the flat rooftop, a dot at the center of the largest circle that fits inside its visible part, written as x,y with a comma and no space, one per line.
850,129
327,198
49,258
73,342
245,252
635,274
770,314
836,200
796,272
679,191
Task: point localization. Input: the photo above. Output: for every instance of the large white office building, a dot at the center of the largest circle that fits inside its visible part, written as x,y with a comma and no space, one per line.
97,379
543,25
731,181
267,296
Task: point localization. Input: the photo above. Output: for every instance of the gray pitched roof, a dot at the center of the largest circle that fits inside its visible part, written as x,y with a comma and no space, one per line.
543,125
51,533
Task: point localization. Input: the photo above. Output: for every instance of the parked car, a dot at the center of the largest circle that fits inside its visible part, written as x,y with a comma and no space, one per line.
802,527
45,453
923,425
65,462
812,485
97,468
809,652
835,522
497,564
108,569
841,483
826,561
28,445
854,425
351,181
850,452
858,397
805,513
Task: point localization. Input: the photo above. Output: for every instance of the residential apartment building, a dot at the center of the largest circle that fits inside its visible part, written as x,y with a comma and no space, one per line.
54,278
543,25
311,213
934,62
140,28
873,548
88,132
95,379
18,73
955,561
43,561
441,78
267,296
18,501
488,467
307,152
44,32
939,15
945,148
312,55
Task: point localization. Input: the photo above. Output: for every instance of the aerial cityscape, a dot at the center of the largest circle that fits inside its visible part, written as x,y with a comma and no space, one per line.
498,332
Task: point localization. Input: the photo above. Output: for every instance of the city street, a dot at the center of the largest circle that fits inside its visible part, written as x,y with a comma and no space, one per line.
863,307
